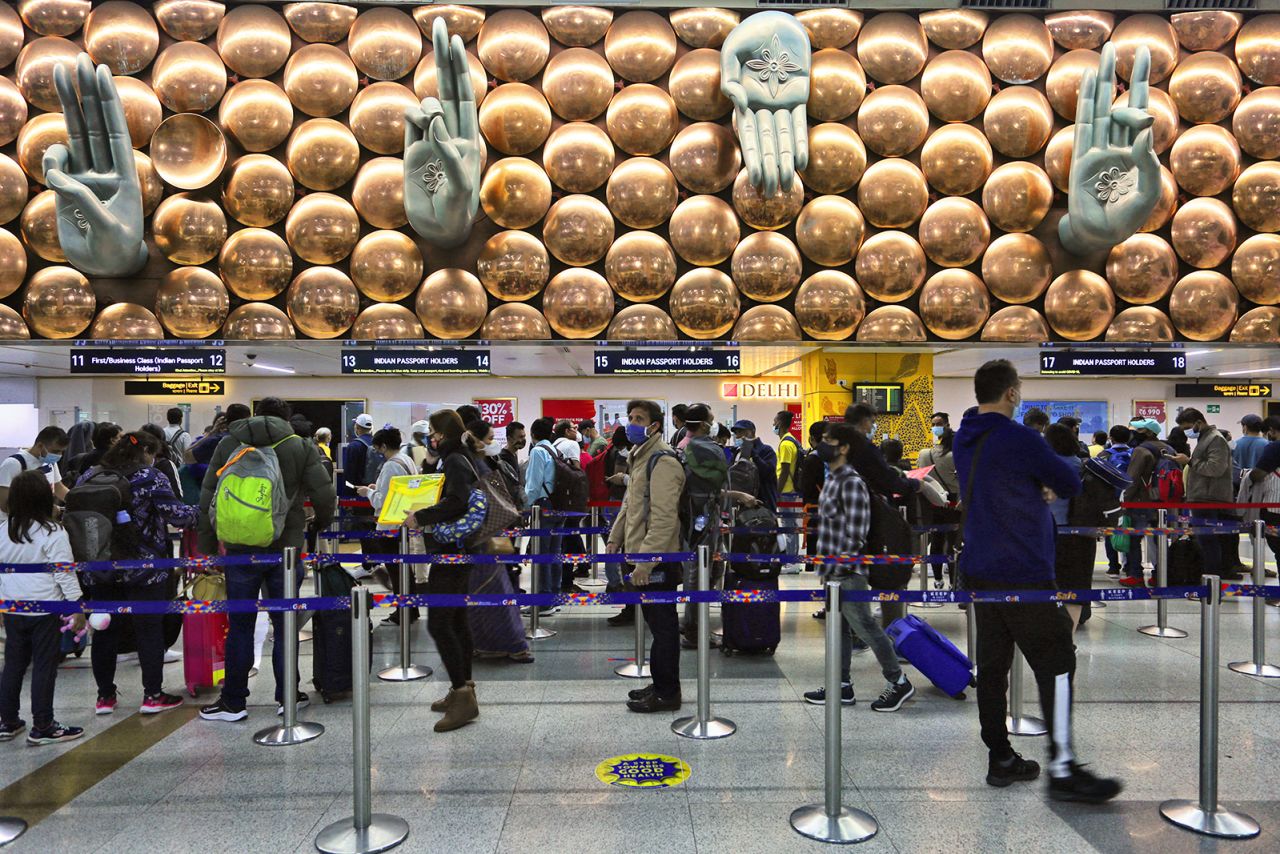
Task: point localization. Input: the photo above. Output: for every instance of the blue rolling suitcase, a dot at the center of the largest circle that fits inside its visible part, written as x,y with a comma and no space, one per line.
932,654
750,629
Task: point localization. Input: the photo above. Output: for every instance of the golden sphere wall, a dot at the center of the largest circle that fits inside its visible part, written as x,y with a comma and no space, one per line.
614,203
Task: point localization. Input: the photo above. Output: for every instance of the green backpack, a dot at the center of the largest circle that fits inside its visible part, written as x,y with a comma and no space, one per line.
250,506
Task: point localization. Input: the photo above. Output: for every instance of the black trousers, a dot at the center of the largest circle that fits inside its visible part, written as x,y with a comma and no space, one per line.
148,630
664,624
1042,630
448,626
30,641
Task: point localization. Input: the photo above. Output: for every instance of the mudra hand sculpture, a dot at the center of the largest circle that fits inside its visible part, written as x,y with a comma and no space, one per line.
764,71
1115,174
442,150
94,177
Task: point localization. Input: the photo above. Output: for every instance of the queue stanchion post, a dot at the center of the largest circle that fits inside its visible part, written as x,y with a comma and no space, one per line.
365,832
291,730
305,634
593,538
922,549
535,631
1205,815
1162,629
639,667
10,829
1017,722
703,725
406,671
1257,666
831,821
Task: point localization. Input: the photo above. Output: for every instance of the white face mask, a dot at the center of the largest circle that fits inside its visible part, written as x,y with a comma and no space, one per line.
492,449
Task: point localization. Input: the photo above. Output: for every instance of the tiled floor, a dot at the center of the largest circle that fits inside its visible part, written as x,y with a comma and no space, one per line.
522,778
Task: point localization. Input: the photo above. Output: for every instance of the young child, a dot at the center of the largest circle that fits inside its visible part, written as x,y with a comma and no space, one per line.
29,534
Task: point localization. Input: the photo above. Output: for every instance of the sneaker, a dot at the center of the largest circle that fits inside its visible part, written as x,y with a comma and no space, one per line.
126,657
1012,770
793,569
857,647
170,656
105,705
820,614
162,702
303,702
1083,787
818,697
54,733
220,711
1113,571
357,572
549,611
9,731
893,696
1130,581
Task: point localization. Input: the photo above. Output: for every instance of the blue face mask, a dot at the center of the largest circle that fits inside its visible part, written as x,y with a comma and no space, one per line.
1193,434
938,431
51,459
637,435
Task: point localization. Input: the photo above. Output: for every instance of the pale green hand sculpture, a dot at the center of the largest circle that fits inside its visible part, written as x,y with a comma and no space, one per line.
764,72
95,178
443,153
1115,175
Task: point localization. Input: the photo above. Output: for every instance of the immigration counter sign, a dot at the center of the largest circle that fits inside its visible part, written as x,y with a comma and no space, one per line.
643,771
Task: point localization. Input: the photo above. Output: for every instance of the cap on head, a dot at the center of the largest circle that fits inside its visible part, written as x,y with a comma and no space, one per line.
743,426
420,427
1149,425
364,420
1251,422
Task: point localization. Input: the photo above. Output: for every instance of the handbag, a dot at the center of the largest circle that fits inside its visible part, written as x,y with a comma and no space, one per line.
1120,542
490,511
206,587
465,526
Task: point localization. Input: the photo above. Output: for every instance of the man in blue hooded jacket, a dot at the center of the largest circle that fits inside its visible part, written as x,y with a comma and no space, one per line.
1007,474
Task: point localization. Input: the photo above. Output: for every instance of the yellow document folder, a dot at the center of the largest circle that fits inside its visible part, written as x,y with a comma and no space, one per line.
409,493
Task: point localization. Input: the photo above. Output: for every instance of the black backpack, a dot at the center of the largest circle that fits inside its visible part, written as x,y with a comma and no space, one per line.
570,491
744,476
93,522
702,496
796,467
889,533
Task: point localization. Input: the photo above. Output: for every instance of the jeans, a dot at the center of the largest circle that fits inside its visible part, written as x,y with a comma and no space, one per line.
549,574
30,641
1113,557
248,582
664,625
148,630
1133,564
1042,630
1210,544
789,542
859,618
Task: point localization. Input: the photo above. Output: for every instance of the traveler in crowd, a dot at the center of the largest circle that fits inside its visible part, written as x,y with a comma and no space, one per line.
1180,442
448,626
677,424
706,478
649,521
615,463
813,473
1144,460
105,434
1073,424
1073,553
304,479
175,434
893,453
567,445
1265,478
32,535
517,440
152,507
387,443
1208,480
360,468
790,453
943,461
938,422
79,439
1249,447
1099,443
166,462
1119,454
566,441
1008,534
748,446
497,632
594,442
323,440
201,451
723,438
1035,418
539,483
43,456
844,520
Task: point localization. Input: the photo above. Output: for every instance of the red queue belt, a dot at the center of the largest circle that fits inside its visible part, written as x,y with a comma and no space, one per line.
1198,505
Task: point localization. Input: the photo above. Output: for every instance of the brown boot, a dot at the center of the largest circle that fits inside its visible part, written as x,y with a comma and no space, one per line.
462,711
443,704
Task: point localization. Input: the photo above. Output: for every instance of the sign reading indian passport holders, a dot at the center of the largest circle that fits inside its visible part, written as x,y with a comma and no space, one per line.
701,361
391,361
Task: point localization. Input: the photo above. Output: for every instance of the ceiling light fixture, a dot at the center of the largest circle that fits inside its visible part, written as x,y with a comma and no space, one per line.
1249,372
274,368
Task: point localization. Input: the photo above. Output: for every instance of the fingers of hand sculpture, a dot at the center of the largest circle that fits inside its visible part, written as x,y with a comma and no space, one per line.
750,145
1148,165
786,148
468,126
734,91
1103,95
119,143
77,136
414,127
1139,85
444,69
454,170
88,210
1082,139
768,135
800,124
94,122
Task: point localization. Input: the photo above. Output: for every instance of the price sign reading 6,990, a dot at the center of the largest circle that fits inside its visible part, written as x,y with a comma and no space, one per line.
667,362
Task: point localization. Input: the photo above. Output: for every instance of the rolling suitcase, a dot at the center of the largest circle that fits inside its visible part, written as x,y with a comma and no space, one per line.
331,637
750,628
204,636
932,654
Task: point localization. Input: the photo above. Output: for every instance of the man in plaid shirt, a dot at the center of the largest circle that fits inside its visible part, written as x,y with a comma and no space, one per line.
844,518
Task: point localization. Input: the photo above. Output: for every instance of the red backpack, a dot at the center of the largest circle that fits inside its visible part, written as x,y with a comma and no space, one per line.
1166,479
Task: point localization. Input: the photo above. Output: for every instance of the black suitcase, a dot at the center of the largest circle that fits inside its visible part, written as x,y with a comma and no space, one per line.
331,637
1185,562
750,628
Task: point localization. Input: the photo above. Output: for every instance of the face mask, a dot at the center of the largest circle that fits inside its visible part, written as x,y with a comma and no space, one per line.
938,431
875,428
51,459
826,452
492,449
637,434
1191,434
738,441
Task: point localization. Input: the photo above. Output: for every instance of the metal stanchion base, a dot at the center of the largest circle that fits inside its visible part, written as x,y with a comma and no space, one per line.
592,582
539,634
1251,668
1166,632
383,833
632,670
1025,725
412,673
714,728
844,828
924,604
1219,822
304,636
11,829
279,736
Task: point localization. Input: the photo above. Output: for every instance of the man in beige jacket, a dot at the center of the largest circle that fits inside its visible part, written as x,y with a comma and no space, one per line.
649,521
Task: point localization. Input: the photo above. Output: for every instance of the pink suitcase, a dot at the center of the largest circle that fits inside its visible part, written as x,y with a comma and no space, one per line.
204,640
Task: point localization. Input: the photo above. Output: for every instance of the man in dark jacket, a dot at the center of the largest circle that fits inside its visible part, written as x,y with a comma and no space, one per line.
1007,472
1147,450
305,478
750,447
867,460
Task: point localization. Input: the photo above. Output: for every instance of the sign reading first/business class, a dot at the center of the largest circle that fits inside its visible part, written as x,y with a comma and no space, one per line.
701,361
203,360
